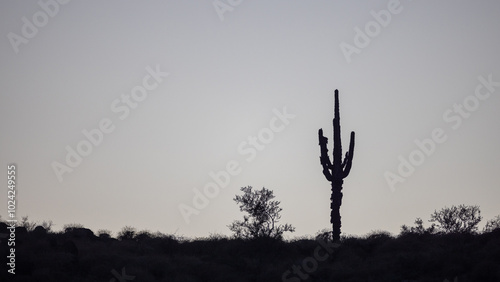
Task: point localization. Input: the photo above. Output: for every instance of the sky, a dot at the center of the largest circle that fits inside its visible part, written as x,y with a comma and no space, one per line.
154,114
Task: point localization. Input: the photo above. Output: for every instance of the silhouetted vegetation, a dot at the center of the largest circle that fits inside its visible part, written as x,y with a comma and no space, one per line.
263,215
127,233
336,171
492,224
456,219
77,254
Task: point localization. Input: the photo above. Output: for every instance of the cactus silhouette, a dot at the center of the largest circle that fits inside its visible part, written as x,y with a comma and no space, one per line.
338,170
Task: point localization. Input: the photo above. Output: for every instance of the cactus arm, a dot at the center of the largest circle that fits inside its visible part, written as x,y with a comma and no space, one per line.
345,160
324,159
348,157
336,170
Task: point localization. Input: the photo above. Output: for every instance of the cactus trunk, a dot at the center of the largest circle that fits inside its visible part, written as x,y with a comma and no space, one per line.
338,170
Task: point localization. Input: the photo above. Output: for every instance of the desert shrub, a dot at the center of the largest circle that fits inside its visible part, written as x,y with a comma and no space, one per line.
104,233
418,228
263,215
29,225
457,219
324,234
47,225
39,232
127,233
373,241
143,235
71,226
379,235
217,237
492,224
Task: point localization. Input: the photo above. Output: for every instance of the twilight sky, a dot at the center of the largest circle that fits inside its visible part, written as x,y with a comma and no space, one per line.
123,112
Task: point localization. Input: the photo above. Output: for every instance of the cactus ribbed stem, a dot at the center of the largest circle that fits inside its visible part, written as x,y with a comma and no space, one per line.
338,170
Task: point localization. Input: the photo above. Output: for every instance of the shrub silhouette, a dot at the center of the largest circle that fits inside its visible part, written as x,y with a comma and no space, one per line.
374,257
492,224
104,233
456,219
461,219
263,215
71,226
39,231
127,233
418,228
143,235
30,226
338,170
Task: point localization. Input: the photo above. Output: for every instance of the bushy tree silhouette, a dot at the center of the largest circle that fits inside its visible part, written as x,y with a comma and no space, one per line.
263,215
492,224
457,219
127,233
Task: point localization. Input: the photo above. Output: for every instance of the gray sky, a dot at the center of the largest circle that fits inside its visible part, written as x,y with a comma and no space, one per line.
217,73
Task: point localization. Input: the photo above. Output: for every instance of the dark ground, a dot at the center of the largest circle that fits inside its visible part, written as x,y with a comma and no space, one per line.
79,255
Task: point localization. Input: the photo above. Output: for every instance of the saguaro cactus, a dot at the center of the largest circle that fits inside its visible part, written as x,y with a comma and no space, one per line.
336,172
